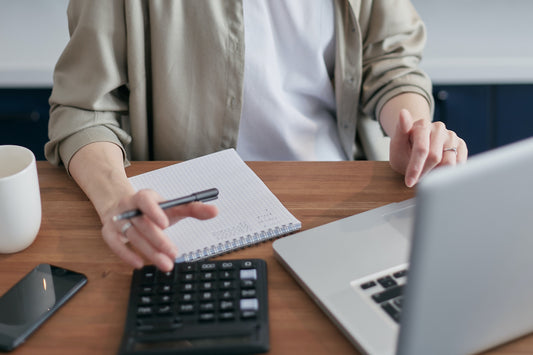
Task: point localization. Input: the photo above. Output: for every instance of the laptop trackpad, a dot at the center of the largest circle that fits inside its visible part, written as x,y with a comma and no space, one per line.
402,220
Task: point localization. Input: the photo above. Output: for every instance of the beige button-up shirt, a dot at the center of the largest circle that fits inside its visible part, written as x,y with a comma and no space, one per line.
164,79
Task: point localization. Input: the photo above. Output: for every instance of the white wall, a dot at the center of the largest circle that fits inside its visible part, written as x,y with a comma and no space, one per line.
469,41
480,41
33,34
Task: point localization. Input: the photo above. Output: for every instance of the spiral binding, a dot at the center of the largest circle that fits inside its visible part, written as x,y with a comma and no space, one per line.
239,243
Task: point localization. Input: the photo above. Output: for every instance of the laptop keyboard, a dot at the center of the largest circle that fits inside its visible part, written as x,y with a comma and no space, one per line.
385,290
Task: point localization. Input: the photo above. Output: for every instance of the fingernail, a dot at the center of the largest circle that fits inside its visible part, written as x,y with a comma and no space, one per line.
138,264
167,264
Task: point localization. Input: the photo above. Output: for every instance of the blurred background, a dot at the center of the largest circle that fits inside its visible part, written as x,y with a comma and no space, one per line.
479,55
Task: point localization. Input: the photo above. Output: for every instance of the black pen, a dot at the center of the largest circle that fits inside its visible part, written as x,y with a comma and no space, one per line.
203,196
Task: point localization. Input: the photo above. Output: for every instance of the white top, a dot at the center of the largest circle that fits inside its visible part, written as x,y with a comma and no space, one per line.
289,104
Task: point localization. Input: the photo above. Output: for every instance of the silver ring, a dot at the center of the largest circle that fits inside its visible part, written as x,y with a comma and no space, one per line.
452,149
125,228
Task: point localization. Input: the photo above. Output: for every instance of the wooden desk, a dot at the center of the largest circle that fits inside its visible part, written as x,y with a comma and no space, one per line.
92,322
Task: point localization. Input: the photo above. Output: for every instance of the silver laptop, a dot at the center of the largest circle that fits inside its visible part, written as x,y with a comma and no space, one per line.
465,246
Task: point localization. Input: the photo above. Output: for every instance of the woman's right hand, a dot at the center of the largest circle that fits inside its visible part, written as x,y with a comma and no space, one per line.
98,169
143,238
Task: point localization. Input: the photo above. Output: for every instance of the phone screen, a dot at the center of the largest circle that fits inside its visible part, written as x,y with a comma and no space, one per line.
33,299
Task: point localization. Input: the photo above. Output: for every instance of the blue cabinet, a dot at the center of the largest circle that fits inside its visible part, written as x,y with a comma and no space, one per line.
513,114
485,116
24,118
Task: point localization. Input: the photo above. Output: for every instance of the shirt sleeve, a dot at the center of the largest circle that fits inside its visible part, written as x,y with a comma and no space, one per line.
89,98
393,43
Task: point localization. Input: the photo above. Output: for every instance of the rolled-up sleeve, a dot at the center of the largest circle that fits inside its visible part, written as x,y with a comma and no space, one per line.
392,51
90,94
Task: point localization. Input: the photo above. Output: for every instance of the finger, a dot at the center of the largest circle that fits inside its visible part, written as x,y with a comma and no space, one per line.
405,124
161,260
156,241
148,202
450,150
462,151
155,236
123,231
420,142
113,239
440,139
196,210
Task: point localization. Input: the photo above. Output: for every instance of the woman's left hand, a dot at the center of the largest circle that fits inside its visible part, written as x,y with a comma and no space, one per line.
418,146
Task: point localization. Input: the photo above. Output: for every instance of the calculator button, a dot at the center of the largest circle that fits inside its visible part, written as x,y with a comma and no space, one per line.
227,305
165,278
206,317
226,316
207,307
226,285
249,274
227,265
208,266
249,304
248,293
188,287
146,300
247,264
186,297
186,267
188,277
164,310
186,308
227,275
164,299
145,290
208,276
247,283
248,314
226,295
206,296
148,276
165,289
144,311
205,286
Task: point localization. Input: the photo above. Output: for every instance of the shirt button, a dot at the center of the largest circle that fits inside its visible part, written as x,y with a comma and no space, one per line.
233,102
235,46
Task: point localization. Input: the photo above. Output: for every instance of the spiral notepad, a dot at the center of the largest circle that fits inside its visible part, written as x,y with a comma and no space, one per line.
249,212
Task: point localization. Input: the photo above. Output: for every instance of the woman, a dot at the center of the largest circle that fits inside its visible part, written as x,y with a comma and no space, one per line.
276,79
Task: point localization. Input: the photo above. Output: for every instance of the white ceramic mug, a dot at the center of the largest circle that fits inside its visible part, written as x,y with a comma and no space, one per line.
20,199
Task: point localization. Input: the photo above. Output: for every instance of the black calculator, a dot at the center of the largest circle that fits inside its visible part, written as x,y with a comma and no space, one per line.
201,307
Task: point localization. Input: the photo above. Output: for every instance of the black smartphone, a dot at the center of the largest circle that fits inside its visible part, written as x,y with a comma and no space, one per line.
32,300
